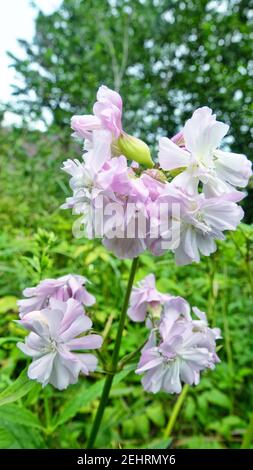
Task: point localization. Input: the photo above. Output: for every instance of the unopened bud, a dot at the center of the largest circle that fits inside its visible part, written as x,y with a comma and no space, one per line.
135,149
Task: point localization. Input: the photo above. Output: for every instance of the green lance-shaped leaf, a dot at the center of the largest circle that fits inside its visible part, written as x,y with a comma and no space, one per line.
17,389
13,413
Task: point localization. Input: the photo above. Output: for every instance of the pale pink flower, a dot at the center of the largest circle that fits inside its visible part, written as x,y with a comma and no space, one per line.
177,351
64,288
144,298
94,192
202,221
126,229
107,115
55,344
196,151
133,228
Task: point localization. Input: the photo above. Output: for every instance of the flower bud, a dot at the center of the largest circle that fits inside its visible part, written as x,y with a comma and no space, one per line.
135,149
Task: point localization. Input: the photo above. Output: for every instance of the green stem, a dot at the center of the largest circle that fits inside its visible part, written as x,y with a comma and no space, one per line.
130,356
115,358
227,336
47,411
177,407
248,435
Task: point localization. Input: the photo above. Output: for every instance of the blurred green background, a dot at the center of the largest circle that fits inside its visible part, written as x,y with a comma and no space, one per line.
166,58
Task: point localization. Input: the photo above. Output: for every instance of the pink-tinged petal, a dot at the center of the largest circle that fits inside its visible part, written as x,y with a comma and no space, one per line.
53,319
125,248
171,380
105,94
101,151
34,345
36,322
187,374
86,342
88,362
156,361
234,196
153,185
171,156
87,299
234,168
203,134
77,327
41,368
199,357
178,139
201,315
110,117
29,305
187,182
108,109
189,244
152,380
180,305
65,287
187,347
151,343
149,281
82,124
206,244
26,349
221,214
145,296
64,372
181,258
138,313
73,309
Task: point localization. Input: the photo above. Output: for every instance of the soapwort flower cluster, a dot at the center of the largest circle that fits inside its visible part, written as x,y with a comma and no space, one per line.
53,313
180,344
183,203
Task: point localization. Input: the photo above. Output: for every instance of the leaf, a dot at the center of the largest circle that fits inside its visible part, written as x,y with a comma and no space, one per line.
141,425
8,303
225,425
85,396
6,439
218,398
158,444
200,442
17,389
190,408
17,414
156,414
22,437
128,428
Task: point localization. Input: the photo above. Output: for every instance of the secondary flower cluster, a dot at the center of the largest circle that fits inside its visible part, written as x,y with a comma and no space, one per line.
53,313
179,346
184,203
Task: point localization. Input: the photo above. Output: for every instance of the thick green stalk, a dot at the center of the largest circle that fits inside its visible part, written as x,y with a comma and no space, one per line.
175,411
115,359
